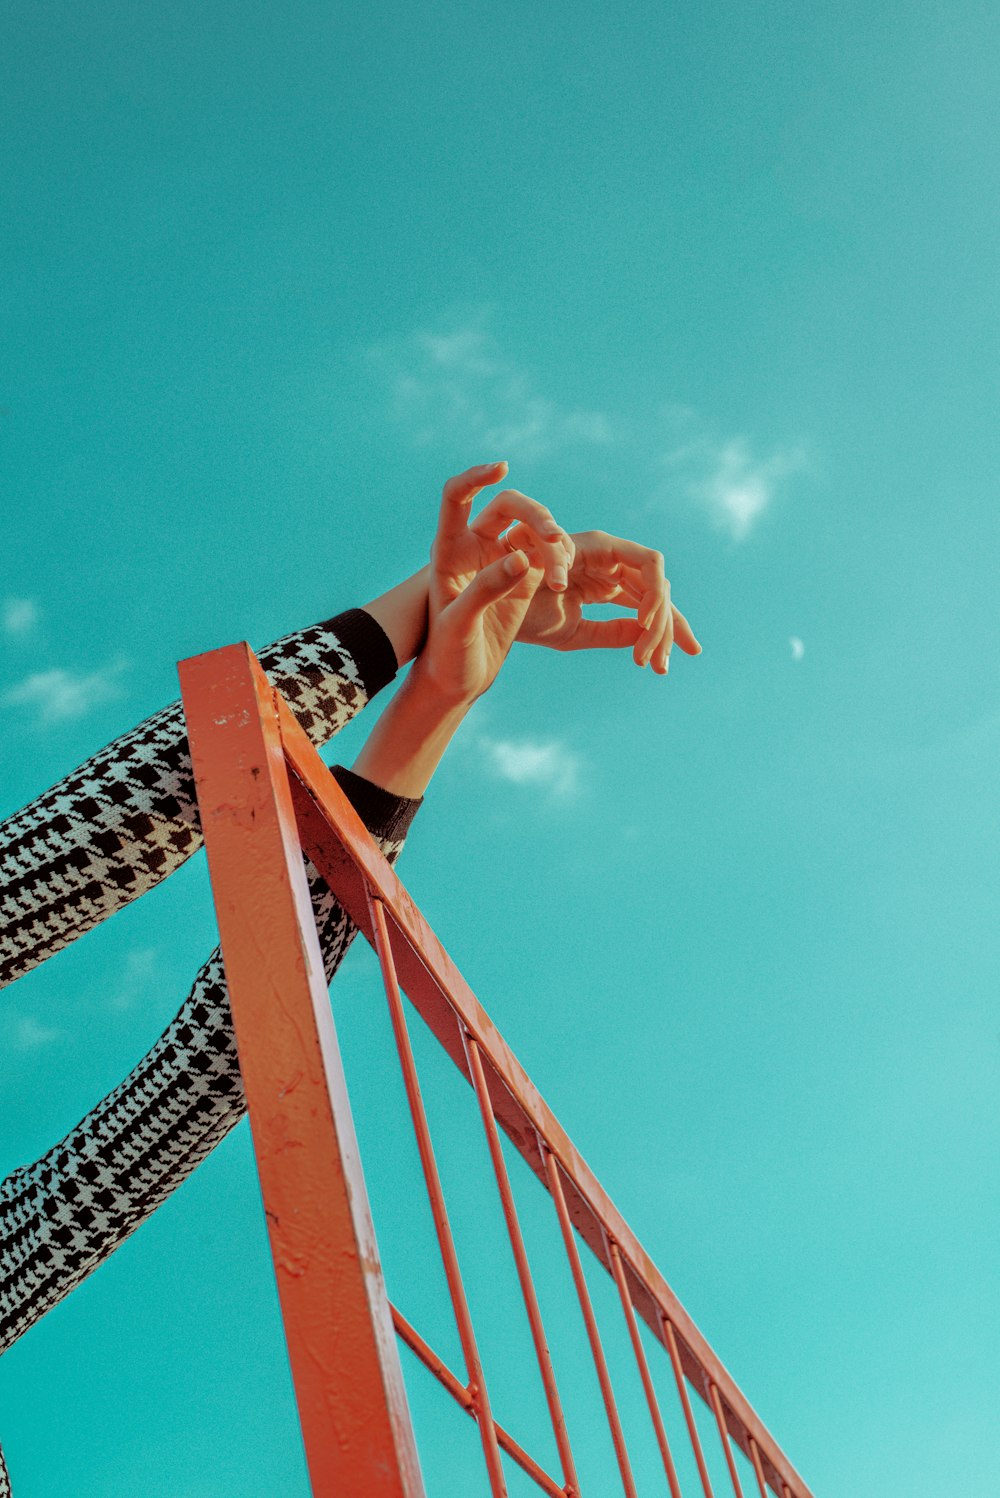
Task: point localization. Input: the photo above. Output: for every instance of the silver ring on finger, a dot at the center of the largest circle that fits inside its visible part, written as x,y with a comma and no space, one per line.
508,543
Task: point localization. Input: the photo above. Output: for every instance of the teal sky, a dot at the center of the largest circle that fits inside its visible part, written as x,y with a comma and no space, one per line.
718,278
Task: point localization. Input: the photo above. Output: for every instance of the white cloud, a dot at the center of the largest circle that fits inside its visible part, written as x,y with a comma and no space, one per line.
550,765
19,615
462,349
29,1034
57,695
453,385
140,965
738,488
797,646
725,479
456,386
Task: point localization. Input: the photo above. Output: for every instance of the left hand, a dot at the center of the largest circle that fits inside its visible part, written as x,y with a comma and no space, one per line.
608,569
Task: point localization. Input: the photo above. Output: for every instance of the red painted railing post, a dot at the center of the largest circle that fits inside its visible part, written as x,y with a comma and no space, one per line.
341,1343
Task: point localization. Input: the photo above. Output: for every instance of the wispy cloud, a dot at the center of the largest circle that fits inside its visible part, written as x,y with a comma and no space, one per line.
30,1034
57,695
455,385
731,484
137,974
797,647
550,764
19,616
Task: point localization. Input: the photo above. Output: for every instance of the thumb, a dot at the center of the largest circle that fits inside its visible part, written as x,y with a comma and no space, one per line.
606,634
511,576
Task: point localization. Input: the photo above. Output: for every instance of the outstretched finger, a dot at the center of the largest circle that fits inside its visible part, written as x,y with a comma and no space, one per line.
614,584
658,632
556,548
457,496
660,656
685,635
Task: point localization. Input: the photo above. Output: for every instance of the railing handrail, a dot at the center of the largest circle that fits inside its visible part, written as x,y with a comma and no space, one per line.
331,834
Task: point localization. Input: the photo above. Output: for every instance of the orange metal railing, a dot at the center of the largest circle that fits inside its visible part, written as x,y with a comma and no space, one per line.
266,798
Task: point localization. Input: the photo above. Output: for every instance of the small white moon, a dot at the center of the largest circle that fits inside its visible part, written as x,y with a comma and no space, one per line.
798,648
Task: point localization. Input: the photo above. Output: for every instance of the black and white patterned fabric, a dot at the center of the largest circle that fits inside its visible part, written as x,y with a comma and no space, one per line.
118,825
128,817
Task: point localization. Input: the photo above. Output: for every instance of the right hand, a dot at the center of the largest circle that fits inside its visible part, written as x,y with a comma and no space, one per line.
469,638
480,591
461,550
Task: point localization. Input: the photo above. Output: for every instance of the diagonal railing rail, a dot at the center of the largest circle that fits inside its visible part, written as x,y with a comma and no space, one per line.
266,799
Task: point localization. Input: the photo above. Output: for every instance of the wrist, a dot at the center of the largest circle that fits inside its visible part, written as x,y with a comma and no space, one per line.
434,698
402,614
408,741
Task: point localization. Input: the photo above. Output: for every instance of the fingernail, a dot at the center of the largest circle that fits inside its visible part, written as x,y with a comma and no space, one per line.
559,578
666,664
512,564
554,529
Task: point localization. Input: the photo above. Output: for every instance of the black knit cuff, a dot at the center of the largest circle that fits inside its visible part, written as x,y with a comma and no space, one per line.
386,816
368,646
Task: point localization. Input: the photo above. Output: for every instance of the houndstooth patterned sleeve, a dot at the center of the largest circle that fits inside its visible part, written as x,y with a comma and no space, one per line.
63,1215
128,817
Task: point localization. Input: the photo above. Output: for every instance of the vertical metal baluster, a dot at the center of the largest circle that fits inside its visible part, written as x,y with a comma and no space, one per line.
523,1269
640,1357
758,1467
675,1359
474,1368
724,1436
600,1362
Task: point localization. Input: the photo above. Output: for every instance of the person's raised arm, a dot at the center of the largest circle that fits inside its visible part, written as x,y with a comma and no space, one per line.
466,646
476,596
59,1217
128,817
401,613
